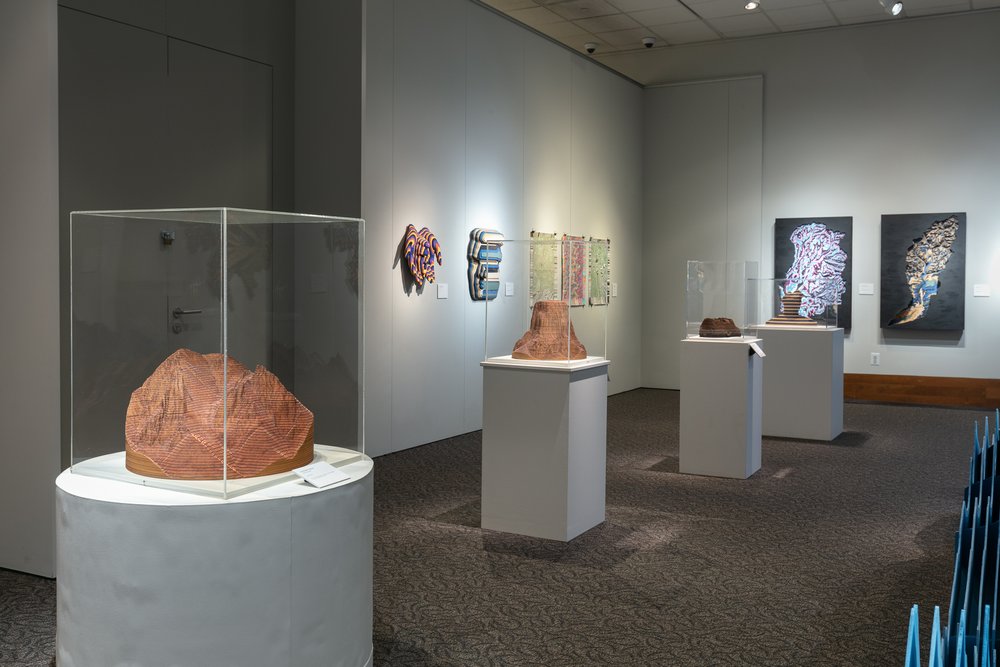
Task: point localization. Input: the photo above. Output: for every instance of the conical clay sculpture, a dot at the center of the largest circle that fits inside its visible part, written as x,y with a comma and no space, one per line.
547,339
173,426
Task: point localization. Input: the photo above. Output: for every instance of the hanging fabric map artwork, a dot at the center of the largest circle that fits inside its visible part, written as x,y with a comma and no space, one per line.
574,272
543,284
599,260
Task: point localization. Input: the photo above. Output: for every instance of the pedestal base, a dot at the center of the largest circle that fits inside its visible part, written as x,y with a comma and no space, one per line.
720,407
544,445
155,577
803,382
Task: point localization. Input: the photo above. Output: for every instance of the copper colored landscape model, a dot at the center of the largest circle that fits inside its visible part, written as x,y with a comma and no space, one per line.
173,427
546,338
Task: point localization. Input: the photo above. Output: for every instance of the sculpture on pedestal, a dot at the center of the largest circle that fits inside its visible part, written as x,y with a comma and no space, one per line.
174,422
550,336
718,327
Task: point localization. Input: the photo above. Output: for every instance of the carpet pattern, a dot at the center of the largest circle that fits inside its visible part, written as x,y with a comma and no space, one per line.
815,560
27,620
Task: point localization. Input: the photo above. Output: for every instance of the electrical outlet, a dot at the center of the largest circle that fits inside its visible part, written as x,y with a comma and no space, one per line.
876,358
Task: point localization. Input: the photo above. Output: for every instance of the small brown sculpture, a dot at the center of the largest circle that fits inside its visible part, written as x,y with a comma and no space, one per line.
791,302
173,426
718,327
546,339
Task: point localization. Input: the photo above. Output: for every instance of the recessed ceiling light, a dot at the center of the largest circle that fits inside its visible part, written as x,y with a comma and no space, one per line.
894,7
751,5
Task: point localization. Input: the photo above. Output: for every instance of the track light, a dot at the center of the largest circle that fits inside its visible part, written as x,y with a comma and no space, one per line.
751,5
894,7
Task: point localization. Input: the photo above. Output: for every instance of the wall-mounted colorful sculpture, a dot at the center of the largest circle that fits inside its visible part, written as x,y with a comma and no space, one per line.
420,250
484,263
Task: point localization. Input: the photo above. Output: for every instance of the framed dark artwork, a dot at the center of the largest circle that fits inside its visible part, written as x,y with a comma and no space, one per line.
923,272
814,256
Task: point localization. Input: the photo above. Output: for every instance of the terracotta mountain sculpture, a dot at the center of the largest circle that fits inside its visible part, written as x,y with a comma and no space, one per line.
173,426
546,337
718,327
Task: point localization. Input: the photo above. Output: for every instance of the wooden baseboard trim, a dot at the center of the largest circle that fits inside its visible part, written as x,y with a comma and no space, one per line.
923,390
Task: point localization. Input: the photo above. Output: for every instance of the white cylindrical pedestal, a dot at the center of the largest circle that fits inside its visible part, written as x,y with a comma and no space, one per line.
279,577
544,446
720,407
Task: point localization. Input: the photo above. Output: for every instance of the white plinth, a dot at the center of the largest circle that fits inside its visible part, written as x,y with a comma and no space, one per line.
544,446
803,382
154,577
720,407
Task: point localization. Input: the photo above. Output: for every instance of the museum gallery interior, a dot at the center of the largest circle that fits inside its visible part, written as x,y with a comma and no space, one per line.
499,332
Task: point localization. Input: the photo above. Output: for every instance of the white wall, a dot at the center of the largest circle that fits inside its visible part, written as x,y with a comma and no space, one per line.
702,195
29,285
473,121
896,117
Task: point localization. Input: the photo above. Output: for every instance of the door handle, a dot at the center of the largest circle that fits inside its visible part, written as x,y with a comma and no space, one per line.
178,312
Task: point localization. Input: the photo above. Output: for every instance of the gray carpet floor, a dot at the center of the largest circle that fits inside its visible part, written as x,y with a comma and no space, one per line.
815,560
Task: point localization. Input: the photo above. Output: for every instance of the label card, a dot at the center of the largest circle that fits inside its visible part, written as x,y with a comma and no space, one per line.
508,289
980,289
866,288
756,350
320,474
442,290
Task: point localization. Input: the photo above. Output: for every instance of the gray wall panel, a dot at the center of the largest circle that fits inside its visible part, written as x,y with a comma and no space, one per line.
377,207
29,285
254,29
218,129
329,105
494,154
148,14
429,177
701,198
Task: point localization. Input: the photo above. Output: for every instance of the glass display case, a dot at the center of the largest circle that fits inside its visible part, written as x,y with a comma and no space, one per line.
719,291
781,303
214,350
551,302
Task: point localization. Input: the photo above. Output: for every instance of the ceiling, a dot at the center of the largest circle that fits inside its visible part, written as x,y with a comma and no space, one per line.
617,26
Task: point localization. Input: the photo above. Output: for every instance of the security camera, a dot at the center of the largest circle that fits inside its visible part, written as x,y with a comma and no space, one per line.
590,47
648,42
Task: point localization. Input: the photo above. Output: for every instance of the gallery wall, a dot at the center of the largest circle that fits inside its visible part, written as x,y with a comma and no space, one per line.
896,117
473,121
701,195
29,284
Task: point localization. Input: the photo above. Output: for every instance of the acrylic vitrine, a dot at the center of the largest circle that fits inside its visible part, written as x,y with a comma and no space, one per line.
214,350
551,301
717,289
783,303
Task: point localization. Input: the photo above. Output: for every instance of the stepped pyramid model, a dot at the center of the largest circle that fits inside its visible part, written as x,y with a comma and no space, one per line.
789,315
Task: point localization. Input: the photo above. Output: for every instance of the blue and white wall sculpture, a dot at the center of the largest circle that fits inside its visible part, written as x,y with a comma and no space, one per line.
484,263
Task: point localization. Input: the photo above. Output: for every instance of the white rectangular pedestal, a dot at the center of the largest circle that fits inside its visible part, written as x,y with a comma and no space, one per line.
544,442
720,407
803,382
